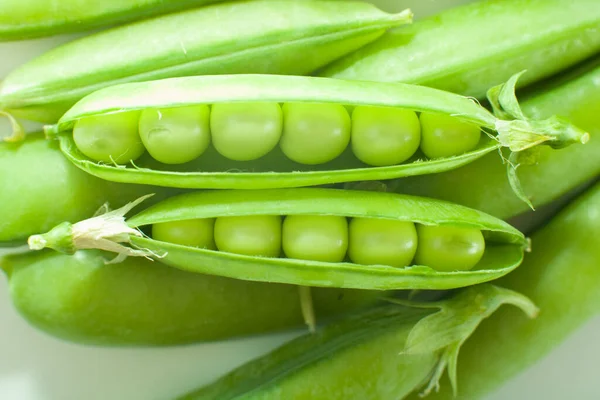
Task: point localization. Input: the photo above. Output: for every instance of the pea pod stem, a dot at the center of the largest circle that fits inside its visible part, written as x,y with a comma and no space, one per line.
504,253
413,344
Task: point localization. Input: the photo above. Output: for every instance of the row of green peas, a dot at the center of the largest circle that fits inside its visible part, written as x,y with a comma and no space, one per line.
307,133
328,238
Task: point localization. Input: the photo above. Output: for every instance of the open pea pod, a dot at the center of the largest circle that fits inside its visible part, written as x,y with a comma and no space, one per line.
271,131
437,245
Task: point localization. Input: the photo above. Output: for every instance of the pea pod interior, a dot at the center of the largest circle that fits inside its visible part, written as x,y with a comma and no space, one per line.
285,150
504,245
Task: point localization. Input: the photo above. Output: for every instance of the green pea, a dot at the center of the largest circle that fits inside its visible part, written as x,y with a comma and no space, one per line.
384,135
253,235
110,138
382,242
245,131
315,237
189,232
446,136
175,135
449,248
314,133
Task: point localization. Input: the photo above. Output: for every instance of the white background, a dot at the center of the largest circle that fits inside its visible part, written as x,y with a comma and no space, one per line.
34,366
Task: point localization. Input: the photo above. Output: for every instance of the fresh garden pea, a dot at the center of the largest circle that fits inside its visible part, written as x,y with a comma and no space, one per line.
300,37
306,100
175,135
563,279
253,235
40,188
110,139
446,136
467,49
381,354
198,232
79,298
315,237
26,19
548,174
504,245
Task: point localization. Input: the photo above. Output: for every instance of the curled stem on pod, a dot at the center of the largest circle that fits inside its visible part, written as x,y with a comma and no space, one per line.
300,159
221,38
407,346
303,237
80,299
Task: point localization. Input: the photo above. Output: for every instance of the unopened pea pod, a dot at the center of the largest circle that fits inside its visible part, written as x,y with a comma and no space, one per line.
407,349
33,18
469,247
300,36
503,37
306,101
81,299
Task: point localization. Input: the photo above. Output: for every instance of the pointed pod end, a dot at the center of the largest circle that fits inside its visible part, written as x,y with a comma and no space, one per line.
59,238
37,242
585,138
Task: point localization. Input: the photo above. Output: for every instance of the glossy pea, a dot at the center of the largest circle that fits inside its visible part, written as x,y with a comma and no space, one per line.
255,235
216,39
138,302
314,234
383,242
245,131
384,136
319,238
449,248
316,128
190,232
175,135
112,138
314,133
446,136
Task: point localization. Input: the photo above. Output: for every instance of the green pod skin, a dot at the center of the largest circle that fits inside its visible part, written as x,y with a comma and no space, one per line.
138,302
466,49
275,170
217,39
562,277
40,189
503,251
33,18
483,184
404,348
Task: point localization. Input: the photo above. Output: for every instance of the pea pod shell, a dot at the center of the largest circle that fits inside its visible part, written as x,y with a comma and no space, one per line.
247,88
24,19
407,348
504,251
81,299
467,49
217,39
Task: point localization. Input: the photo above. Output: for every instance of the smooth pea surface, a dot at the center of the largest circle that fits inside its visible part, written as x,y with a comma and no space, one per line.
314,133
245,131
312,237
381,241
446,136
111,138
384,135
254,235
190,232
175,135
449,248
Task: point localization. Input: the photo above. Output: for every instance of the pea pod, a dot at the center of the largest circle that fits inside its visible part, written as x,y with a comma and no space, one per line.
547,174
562,277
217,39
467,49
305,99
468,246
141,303
40,189
406,348
33,18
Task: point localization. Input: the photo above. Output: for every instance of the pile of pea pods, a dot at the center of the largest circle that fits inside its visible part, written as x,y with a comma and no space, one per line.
379,180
